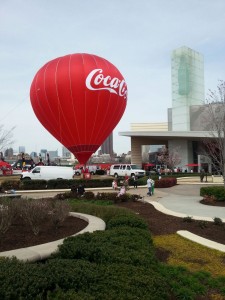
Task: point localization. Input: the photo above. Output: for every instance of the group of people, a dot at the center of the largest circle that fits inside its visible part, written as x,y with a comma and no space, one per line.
125,185
122,189
79,190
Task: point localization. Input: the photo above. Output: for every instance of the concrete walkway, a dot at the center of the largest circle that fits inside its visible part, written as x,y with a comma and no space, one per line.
184,200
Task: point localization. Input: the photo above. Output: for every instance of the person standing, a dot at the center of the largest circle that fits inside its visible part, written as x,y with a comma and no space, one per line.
114,184
126,182
202,175
153,186
122,191
135,179
149,186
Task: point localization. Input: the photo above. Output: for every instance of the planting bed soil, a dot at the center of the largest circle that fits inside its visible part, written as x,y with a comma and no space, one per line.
160,224
20,235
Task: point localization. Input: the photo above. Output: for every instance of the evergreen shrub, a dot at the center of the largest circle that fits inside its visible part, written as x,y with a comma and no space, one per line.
129,220
10,185
217,191
33,185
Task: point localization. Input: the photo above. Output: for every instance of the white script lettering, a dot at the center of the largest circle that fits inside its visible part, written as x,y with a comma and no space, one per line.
97,81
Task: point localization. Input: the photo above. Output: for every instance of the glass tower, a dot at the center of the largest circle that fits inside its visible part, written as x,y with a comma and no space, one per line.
187,69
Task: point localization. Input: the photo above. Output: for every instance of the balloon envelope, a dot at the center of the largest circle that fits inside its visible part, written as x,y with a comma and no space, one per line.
79,99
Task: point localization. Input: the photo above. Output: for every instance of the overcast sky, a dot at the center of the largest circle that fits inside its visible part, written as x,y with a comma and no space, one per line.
138,37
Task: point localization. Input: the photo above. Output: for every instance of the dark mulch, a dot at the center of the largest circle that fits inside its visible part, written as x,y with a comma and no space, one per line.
20,235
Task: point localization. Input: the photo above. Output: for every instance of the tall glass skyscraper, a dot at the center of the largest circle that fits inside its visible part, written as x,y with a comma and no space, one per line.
187,69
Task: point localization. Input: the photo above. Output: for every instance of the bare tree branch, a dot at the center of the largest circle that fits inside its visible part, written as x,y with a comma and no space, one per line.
5,137
215,118
170,158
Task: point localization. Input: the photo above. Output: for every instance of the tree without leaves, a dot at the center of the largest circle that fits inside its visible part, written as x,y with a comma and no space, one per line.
5,137
215,119
170,158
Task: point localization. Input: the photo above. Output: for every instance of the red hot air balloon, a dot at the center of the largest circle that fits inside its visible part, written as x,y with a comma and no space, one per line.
79,99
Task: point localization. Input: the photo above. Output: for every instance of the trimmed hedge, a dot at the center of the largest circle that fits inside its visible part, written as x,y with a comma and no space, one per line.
111,196
90,183
217,191
54,184
129,220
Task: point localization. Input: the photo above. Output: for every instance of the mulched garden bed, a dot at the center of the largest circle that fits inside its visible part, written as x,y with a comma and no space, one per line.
20,236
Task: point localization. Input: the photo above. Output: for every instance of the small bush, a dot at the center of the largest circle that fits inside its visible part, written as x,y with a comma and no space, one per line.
7,214
64,196
210,199
89,195
188,219
218,221
165,182
202,224
34,212
131,221
59,211
216,191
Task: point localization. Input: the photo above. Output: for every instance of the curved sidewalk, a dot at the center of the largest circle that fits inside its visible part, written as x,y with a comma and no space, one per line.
182,201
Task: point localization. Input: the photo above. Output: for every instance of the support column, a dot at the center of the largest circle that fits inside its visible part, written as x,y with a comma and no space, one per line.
136,155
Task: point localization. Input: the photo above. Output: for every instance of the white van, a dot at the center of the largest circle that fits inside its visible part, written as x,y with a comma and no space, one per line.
126,169
91,169
48,172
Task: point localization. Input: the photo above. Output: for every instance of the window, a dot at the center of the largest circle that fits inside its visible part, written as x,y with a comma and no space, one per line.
36,170
116,167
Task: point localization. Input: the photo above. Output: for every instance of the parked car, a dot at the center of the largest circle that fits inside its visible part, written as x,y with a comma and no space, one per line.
126,169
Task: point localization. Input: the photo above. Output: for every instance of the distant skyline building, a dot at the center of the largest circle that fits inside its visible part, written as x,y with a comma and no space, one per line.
66,152
22,149
53,154
43,153
107,146
34,154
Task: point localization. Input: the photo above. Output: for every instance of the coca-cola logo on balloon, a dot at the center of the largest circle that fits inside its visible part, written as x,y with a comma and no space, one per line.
96,80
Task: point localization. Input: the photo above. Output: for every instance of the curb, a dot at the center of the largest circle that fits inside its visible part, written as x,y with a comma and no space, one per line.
187,234
200,240
166,211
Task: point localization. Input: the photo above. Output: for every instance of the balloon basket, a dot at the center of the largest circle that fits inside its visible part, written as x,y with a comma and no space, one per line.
87,175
